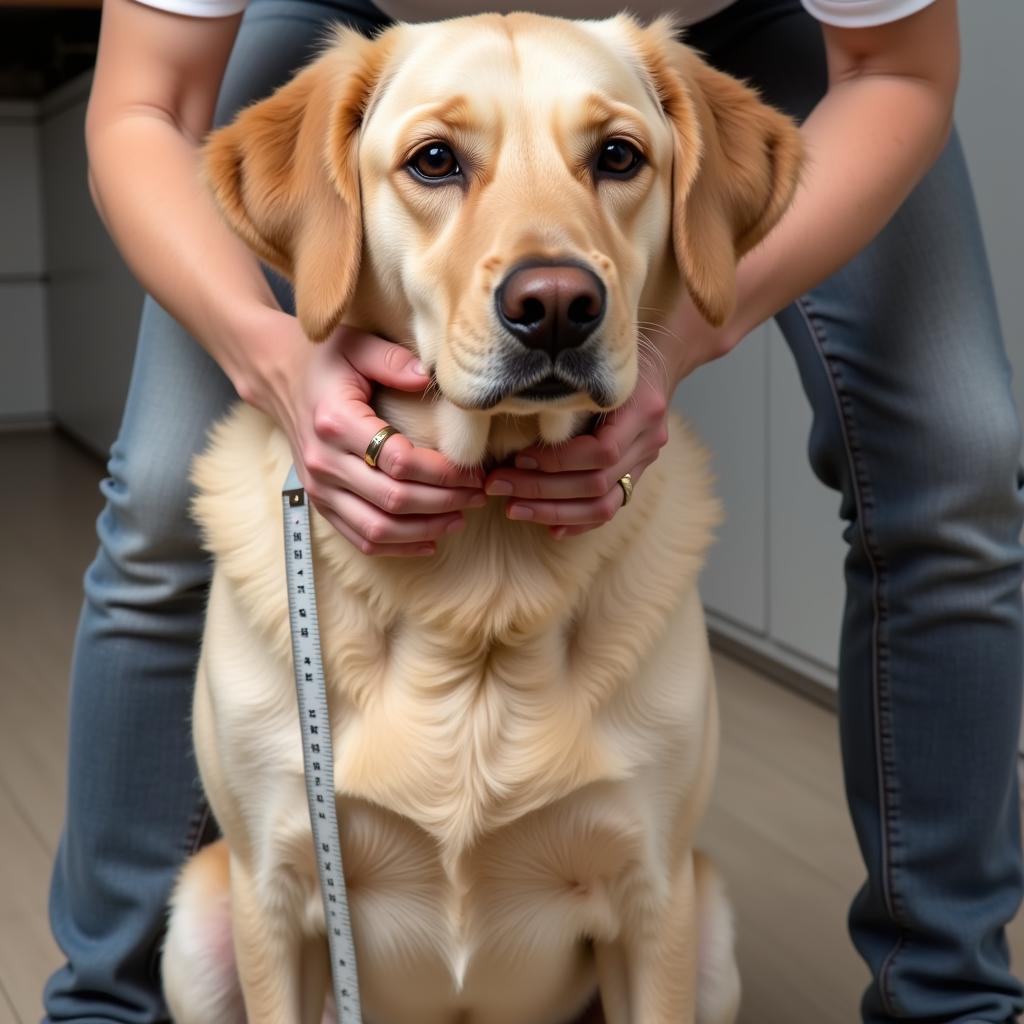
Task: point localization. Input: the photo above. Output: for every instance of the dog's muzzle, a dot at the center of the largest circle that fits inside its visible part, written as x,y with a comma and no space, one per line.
550,307
550,310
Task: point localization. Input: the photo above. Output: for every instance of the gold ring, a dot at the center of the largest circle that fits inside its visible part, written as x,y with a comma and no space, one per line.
626,483
376,443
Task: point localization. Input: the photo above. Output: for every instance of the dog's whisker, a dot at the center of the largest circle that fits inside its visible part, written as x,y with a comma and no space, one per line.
647,380
650,325
656,359
660,332
646,344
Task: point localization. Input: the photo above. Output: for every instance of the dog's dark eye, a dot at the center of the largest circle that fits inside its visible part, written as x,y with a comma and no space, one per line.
434,162
618,158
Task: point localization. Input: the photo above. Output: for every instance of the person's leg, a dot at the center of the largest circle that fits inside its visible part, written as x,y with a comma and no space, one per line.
914,423
134,805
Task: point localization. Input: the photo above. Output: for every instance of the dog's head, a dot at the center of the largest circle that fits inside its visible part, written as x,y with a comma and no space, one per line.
511,191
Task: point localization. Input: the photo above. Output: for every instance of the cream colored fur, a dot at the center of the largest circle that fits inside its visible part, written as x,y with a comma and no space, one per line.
525,729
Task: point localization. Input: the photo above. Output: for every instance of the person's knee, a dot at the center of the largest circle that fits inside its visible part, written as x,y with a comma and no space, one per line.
944,478
974,460
956,488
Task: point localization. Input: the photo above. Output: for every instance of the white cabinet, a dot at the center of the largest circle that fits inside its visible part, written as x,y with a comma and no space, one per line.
93,301
774,579
69,309
24,391
805,544
728,404
24,395
21,210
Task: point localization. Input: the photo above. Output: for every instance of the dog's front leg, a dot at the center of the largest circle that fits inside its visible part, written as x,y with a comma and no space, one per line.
276,985
612,981
649,974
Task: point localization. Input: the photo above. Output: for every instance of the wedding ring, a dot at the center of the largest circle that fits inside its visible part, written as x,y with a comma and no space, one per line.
376,443
626,483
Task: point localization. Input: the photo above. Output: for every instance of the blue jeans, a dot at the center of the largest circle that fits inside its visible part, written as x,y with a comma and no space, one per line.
914,424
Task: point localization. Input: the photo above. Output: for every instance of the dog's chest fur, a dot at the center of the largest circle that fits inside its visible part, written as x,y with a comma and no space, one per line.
504,750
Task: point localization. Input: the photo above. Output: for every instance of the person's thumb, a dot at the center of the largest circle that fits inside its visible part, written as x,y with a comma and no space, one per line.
382,361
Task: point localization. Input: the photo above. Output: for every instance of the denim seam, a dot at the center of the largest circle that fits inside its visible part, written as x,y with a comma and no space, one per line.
197,827
881,696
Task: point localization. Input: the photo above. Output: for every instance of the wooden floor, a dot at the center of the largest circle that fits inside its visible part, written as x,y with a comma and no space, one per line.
778,827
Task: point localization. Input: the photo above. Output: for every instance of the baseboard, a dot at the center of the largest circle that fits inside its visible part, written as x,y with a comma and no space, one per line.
805,677
81,442
26,424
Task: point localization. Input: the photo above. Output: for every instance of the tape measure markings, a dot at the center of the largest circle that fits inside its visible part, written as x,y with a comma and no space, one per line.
317,747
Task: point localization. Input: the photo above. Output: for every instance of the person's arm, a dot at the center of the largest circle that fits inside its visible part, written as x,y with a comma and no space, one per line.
886,116
152,102
883,122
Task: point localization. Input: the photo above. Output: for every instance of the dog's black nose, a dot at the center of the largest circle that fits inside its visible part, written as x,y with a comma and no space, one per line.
551,306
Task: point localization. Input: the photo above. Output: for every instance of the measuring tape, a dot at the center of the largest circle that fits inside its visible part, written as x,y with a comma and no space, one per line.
317,751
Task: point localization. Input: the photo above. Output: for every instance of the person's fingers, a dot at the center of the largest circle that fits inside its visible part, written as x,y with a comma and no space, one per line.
400,497
570,516
351,426
536,485
404,461
375,528
604,447
568,512
368,548
383,361
370,528
578,454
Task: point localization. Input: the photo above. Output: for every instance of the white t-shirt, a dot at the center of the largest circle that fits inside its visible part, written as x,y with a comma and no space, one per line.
844,13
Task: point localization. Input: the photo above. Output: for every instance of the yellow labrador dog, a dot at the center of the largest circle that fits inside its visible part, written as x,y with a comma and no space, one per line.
525,728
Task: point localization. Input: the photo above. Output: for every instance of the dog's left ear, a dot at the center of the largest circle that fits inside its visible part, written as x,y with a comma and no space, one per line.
285,174
736,166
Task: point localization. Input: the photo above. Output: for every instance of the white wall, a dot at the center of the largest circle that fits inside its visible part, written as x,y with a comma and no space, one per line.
990,115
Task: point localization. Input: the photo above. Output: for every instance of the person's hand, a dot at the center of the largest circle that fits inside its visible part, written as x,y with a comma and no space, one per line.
573,487
321,401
